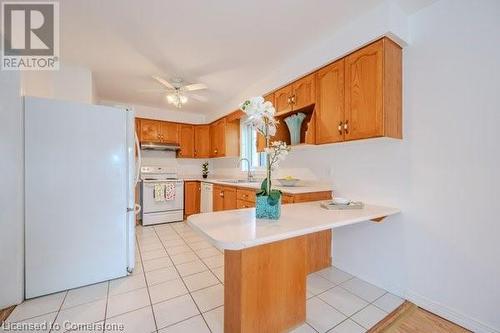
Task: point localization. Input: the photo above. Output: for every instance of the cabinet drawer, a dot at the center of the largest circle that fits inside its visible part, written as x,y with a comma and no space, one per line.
244,204
314,196
246,195
287,199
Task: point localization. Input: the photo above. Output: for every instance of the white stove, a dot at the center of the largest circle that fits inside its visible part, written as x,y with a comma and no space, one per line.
156,209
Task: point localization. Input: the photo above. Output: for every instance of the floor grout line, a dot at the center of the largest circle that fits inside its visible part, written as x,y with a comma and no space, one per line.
146,281
190,295
58,311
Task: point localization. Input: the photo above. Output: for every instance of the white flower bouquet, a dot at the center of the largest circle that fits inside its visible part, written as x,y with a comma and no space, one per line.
260,115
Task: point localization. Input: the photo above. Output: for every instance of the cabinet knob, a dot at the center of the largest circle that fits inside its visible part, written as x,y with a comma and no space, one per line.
346,127
221,194
340,128
293,99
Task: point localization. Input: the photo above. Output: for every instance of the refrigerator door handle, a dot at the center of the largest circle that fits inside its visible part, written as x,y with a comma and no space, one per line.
139,159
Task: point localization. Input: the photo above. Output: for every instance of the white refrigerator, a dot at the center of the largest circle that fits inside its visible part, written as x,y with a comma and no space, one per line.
80,176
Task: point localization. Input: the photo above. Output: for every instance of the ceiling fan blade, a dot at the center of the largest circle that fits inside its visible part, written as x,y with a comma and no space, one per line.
194,86
164,82
157,90
198,98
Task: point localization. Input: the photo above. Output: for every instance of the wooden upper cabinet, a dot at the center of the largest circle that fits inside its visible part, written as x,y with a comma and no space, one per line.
304,92
373,89
282,99
225,138
186,136
202,141
217,138
330,103
169,132
150,130
192,193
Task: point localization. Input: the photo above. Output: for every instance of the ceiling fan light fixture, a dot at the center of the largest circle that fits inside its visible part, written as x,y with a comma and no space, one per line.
177,99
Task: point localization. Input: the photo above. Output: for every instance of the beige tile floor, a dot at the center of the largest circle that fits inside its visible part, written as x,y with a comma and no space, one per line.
178,286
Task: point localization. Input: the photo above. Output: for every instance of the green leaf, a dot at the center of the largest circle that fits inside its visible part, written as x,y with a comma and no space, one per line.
263,186
274,197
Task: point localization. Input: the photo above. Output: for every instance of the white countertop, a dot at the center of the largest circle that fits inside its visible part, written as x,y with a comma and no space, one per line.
303,187
238,229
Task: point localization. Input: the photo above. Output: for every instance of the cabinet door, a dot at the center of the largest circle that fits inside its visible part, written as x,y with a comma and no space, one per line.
282,99
218,198
287,199
202,141
241,204
218,139
213,140
169,132
186,141
191,198
363,92
304,92
229,198
330,103
150,130
138,128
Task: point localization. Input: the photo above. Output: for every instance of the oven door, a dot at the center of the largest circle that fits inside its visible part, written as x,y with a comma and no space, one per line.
150,205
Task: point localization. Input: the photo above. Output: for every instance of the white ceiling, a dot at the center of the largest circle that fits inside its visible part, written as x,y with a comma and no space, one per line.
226,44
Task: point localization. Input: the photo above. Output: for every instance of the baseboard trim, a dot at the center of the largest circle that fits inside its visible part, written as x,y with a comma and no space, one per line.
449,314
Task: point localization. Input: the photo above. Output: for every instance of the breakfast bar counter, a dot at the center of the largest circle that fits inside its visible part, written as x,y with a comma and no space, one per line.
267,262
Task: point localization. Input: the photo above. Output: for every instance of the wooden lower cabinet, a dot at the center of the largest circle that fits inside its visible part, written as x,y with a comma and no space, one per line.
245,194
224,198
240,204
218,198
192,193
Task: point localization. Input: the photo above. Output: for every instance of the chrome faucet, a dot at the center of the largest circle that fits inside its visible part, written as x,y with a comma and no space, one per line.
249,175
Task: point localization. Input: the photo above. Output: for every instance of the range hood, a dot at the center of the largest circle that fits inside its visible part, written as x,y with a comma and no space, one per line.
159,146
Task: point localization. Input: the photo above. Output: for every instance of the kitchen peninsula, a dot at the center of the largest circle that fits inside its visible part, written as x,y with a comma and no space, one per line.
266,262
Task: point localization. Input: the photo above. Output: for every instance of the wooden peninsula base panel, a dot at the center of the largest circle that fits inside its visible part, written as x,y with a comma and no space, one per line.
267,262
265,287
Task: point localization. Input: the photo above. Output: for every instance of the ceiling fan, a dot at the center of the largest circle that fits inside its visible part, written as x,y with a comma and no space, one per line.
177,91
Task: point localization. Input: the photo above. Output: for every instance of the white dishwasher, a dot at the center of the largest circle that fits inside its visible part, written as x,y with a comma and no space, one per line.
206,204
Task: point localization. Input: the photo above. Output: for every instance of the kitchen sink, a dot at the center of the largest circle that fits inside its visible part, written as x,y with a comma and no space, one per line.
238,181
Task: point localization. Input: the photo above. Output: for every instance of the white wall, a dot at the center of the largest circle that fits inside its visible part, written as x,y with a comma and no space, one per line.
11,191
185,166
443,251
69,83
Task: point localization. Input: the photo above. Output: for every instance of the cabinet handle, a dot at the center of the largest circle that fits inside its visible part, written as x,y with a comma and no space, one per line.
340,128
346,127
221,194
293,99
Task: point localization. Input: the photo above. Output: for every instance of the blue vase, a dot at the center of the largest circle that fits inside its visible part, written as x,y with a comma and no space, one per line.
263,210
294,123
